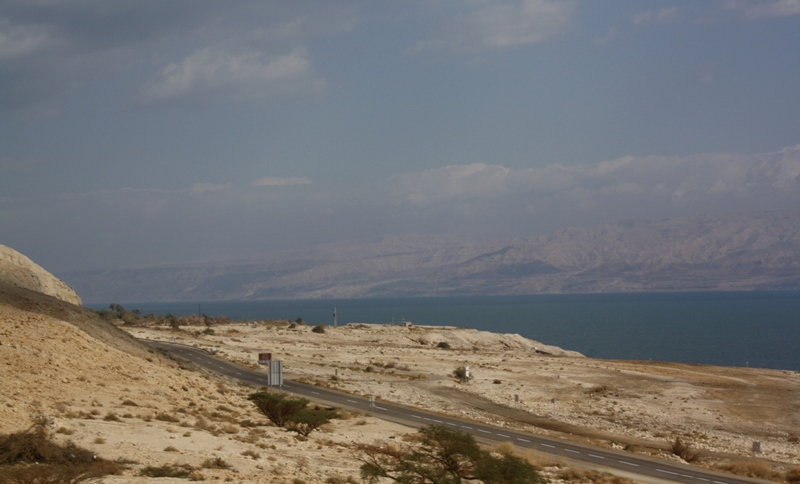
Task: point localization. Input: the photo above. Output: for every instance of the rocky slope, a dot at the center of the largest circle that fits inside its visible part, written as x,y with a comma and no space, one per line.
741,252
20,271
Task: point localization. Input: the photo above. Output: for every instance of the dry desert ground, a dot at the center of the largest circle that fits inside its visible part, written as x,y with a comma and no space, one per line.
103,390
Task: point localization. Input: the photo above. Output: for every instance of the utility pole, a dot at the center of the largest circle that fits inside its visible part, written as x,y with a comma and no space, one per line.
334,316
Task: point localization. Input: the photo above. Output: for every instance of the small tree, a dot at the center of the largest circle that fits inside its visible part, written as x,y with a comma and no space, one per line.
461,374
309,419
173,321
278,408
320,328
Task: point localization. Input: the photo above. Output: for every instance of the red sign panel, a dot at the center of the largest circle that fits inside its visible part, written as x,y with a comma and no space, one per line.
264,358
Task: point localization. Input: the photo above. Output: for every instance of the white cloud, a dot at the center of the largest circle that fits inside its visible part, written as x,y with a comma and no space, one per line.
477,180
495,25
756,9
272,181
245,76
626,187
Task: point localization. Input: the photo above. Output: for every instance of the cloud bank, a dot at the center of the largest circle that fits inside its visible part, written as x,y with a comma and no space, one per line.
479,199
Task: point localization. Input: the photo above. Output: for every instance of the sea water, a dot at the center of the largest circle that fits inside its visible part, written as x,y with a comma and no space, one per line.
757,329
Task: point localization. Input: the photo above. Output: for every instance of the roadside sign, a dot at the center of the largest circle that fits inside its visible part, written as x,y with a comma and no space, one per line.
264,358
274,373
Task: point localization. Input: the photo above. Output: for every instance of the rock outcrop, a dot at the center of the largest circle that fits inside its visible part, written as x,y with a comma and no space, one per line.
20,271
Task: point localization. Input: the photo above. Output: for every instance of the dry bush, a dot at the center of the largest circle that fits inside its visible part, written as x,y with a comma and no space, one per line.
759,470
793,475
252,454
31,456
683,450
505,448
215,463
180,471
57,474
574,474
165,417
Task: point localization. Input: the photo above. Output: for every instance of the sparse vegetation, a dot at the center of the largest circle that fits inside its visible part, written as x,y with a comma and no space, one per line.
180,471
215,463
309,419
443,345
461,374
278,407
441,455
683,450
292,413
32,456
320,328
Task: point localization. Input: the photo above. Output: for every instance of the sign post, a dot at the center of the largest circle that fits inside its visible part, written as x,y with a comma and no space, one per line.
274,369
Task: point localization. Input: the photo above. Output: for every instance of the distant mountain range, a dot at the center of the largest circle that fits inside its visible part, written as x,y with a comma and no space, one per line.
741,252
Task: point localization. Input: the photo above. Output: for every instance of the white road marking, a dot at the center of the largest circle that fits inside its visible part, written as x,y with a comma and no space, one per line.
628,463
315,393
573,451
503,435
667,472
702,479
438,421
523,440
379,408
416,416
548,445
465,427
484,431
451,424
597,456
352,401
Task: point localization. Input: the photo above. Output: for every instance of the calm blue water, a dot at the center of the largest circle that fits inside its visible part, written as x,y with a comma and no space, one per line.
757,329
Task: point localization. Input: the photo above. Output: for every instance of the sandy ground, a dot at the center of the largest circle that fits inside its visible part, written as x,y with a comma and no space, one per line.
109,394
721,410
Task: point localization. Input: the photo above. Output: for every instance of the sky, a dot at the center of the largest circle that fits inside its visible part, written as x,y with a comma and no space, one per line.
149,132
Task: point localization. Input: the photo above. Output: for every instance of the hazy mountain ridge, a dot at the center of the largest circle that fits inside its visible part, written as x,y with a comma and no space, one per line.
741,252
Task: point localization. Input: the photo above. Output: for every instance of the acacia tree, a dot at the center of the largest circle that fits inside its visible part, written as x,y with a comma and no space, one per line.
309,419
443,456
277,407
292,413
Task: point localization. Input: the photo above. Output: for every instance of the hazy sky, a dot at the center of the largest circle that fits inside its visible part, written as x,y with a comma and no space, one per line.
139,132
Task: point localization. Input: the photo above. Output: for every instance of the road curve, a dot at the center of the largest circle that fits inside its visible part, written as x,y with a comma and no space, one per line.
636,466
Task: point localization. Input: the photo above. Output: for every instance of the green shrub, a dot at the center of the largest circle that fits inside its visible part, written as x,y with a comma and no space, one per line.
461,373
277,407
320,328
308,420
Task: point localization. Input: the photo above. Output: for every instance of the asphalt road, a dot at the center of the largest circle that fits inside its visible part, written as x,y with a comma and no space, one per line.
628,464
